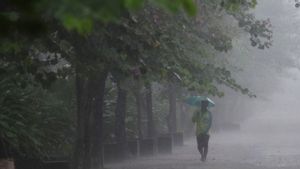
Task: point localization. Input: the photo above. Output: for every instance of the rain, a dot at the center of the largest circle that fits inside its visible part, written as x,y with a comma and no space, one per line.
150,84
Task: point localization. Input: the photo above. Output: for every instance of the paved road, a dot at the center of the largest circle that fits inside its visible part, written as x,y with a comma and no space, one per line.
227,151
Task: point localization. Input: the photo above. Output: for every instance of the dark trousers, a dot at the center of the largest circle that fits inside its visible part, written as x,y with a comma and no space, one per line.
202,141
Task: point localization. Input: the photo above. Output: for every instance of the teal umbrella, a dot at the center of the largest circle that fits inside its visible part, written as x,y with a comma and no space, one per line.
196,101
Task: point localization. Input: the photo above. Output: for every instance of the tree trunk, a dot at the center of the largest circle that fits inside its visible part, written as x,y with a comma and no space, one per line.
182,116
150,122
90,101
138,98
172,123
120,126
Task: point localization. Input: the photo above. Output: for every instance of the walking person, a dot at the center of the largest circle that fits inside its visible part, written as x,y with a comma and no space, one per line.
203,120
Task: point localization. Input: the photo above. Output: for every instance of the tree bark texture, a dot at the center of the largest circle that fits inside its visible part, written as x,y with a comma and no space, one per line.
138,98
90,102
182,114
120,124
172,121
149,110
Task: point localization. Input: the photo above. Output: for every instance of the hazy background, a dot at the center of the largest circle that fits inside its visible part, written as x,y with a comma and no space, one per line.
272,74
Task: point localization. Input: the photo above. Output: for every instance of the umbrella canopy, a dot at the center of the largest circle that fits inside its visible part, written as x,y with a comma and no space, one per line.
196,101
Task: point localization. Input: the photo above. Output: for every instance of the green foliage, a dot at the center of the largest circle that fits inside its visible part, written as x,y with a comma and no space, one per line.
23,56
237,5
175,5
30,125
134,4
75,15
10,46
170,48
82,25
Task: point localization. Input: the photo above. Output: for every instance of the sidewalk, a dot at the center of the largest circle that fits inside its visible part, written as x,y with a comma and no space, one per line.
223,154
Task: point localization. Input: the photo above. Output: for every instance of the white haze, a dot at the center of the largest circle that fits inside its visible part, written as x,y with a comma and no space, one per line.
273,74
273,122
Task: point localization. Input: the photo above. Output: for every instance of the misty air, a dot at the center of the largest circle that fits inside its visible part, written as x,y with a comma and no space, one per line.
150,84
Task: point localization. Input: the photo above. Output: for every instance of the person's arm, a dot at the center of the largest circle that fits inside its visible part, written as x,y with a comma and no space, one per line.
208,122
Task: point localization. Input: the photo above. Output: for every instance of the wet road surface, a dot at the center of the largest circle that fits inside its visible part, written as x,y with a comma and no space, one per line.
227,151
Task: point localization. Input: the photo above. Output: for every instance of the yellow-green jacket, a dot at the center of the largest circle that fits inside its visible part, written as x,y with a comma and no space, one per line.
203,121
